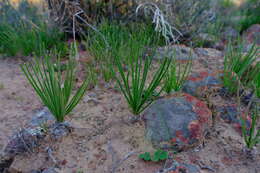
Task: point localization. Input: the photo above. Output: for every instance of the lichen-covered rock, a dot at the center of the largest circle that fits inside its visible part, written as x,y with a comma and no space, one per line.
230,114
178,122
179,52
198,83
177,167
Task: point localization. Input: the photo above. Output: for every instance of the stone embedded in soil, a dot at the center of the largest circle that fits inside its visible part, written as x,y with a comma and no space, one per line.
44,116
177,122
22,141
231,115
179,52
59,130
198,83
177,167
252,34
26,140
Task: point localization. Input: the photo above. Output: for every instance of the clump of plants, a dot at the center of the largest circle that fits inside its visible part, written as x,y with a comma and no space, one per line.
251,135
251,12
176,76
27,41
54,87
115,39
25,32
240,66
138,91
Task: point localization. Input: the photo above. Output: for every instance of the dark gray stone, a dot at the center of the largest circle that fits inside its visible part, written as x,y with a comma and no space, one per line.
173,122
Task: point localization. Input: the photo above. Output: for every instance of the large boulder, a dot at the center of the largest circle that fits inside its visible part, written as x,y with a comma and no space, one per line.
178,122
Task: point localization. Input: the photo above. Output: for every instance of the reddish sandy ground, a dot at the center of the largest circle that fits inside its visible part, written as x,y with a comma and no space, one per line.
103,134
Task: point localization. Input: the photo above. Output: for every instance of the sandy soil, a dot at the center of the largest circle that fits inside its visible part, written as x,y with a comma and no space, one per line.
103,135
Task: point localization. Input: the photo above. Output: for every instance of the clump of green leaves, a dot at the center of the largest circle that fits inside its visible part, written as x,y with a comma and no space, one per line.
138,91
239,65
52,86
159,155
257,85
28,40
251,136
116,39
251,14
23,31
176,76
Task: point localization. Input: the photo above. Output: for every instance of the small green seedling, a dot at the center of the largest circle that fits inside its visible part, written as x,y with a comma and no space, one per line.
159,155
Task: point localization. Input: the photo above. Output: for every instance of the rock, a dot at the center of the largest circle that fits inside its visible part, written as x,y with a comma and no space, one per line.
252,34
230,33
198,83
231,115
50,170
177,167
177,122
44,116
59,130
21,142
181,52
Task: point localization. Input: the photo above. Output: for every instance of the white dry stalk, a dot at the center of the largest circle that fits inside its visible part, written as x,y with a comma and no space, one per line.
161,24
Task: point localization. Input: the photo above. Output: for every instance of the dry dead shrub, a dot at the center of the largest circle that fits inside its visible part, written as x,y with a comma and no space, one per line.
77,15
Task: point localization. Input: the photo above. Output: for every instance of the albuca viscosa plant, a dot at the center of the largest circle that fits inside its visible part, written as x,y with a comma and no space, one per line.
176,76
239,66
251,136
137,90
52,86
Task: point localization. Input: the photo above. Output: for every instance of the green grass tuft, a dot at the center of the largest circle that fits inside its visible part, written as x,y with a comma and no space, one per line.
54,91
